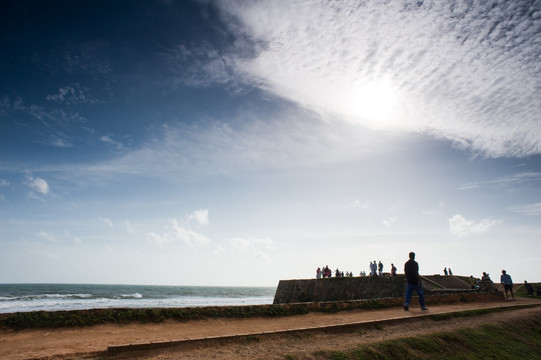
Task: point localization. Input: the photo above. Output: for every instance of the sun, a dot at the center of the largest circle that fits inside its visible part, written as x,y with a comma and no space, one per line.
372,103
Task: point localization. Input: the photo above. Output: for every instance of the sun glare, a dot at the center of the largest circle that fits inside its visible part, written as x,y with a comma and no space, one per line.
372,103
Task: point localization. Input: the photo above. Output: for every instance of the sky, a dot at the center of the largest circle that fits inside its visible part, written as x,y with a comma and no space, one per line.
238,143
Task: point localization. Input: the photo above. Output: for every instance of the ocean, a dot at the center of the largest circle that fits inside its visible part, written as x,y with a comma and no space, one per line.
52,297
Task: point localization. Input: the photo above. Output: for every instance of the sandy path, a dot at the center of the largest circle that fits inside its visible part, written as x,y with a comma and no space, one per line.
75,342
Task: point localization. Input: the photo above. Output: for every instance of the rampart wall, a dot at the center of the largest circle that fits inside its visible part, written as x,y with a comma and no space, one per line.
360,288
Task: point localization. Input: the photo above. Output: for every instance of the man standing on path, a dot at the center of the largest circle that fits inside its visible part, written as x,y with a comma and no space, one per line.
411,269
507,283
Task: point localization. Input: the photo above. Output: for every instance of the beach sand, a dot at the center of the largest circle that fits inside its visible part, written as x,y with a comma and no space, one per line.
372,325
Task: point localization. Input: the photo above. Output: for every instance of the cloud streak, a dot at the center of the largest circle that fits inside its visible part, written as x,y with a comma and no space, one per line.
465,72
72,95
528,209
251,141
505,181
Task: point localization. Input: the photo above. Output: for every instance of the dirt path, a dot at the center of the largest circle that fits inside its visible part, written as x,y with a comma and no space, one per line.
87,342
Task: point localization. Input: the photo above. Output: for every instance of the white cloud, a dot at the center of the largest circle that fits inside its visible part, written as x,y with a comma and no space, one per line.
255,140
72,238
4,183
106,221
59,141
201,217
129,227
253,247
156,239
57,116
358,205
202,66
463,72
388,222
53,255
72,95
38,185
189,237
47,236
460,227
109,140
177,231
218,249
77,240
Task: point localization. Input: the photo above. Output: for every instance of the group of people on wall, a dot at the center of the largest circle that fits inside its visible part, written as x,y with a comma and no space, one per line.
414,282
375,269
411,271
327,273
506,281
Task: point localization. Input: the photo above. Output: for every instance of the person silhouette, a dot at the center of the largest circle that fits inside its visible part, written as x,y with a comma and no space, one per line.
411,269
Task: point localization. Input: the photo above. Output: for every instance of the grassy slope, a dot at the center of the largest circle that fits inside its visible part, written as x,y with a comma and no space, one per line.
505,341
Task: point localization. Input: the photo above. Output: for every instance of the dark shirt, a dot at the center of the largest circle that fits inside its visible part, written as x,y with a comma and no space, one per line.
411,268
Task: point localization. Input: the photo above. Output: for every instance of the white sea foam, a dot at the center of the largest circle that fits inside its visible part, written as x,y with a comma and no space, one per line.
32,297
135,296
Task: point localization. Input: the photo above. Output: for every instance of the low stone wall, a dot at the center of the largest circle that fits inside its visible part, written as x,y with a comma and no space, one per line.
333,306
338,289
355,288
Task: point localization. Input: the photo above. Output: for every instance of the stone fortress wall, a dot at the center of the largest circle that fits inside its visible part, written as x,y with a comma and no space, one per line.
363,288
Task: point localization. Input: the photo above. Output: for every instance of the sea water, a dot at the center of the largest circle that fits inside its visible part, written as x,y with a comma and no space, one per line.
52,297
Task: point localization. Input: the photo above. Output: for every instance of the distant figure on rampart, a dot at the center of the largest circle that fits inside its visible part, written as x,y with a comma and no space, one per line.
485,284
507,283
411,269
529,287
318,273
393,270
450,272
445,271
380,268
373,268
327,272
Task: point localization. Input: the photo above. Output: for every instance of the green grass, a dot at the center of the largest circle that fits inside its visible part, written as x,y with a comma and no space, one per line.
79,318
505,341
477,312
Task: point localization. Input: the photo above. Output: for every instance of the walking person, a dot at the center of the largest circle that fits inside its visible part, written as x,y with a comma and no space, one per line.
393,270
507,283
411,269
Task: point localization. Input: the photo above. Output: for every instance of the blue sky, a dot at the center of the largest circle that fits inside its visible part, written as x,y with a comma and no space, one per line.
244,142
